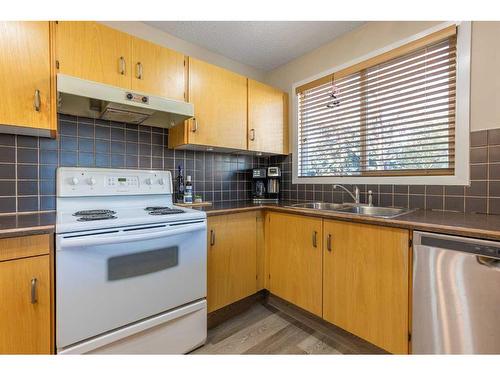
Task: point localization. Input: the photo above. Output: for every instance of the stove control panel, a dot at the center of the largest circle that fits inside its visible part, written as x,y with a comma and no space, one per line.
73,182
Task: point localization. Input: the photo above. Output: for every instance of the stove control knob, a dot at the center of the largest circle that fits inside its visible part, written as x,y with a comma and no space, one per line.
149,181
163,181
92,181
74,181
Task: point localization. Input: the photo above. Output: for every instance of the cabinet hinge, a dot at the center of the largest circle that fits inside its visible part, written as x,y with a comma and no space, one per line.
184,62
410,242
409,336
57,64
57,22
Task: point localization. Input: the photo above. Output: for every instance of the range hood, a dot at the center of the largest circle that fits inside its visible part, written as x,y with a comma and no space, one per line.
80,97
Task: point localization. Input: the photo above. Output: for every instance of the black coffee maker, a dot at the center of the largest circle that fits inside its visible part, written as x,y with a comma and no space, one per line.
266,184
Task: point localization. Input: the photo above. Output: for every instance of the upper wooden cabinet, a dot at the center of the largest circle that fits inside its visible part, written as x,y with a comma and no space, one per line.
295,259
267,115
232,258
157,70
94,52
25,292
220,106
25,71
365,282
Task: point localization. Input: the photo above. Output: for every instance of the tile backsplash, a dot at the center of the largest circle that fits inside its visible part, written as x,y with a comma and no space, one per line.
482,196
28,164
28,169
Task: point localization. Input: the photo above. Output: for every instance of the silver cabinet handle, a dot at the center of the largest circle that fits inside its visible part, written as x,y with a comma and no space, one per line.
195,125
315,239
123,66
34,298
252,134
329,242
37,101
138,70
212,237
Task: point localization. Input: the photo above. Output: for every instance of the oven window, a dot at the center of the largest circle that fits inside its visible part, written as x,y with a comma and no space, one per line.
143,263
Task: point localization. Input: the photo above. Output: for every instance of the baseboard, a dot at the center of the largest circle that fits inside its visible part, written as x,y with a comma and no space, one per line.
227,312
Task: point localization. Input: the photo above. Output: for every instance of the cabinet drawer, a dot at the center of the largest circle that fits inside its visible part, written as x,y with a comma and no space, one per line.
22,247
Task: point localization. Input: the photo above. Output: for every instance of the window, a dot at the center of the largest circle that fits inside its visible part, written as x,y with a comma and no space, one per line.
390,115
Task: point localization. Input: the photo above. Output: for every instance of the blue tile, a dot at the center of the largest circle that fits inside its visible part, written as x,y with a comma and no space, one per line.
102,160
102,132
102,146
86,145
69,159
47,202
68,128
118,147
85,159
48,156
27,155
69,143
48,144
117,161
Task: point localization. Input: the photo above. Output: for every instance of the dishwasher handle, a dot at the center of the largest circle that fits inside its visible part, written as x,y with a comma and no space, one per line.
488,262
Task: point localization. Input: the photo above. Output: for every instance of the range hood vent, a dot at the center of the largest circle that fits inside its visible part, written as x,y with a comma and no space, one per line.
84,98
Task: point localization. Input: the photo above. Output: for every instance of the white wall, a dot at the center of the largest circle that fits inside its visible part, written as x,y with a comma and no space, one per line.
147,32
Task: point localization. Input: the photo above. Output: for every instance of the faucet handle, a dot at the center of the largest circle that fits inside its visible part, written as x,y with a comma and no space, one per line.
370,198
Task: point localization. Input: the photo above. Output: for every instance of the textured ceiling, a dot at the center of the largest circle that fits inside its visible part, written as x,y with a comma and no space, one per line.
264,45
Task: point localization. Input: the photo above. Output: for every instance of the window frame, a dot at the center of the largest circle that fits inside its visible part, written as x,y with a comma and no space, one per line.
462,130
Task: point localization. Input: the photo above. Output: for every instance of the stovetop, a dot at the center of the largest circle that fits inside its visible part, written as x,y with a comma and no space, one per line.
121,217
99,198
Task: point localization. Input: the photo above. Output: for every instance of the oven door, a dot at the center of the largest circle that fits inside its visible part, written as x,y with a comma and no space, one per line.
110,278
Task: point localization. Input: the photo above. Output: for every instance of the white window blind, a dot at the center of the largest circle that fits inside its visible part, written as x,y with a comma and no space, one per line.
392,115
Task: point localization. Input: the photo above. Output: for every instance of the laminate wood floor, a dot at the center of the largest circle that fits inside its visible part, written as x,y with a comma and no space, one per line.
263,329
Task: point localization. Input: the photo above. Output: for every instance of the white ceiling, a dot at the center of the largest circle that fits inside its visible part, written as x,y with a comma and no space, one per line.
264,45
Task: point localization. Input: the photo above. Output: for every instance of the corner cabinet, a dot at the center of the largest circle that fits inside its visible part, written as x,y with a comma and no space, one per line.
366,282
26,324
28,106
295,259
232,258
267,119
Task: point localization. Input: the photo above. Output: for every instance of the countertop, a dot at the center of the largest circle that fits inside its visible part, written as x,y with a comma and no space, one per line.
455,223
461,224
14,225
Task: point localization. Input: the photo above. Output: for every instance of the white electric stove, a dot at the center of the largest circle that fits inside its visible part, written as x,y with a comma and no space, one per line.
130,266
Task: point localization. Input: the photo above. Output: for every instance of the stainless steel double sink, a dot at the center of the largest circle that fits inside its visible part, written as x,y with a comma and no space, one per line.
357,209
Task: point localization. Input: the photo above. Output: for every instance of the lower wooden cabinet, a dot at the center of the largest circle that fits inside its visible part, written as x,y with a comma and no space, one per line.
25,323
366,282
295,259
232,258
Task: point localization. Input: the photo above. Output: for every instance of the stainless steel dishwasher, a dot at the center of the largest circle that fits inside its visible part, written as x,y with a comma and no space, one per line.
456,295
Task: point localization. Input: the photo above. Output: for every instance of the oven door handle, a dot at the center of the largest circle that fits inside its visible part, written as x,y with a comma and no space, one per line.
124,237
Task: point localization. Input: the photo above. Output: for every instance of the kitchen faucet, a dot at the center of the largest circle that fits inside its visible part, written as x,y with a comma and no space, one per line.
354,196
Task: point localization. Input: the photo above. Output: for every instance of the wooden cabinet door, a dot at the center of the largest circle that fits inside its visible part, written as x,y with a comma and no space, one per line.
296,260
232,258
220,104
365,282
267,130
25,74
25,323
157,70
94,52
